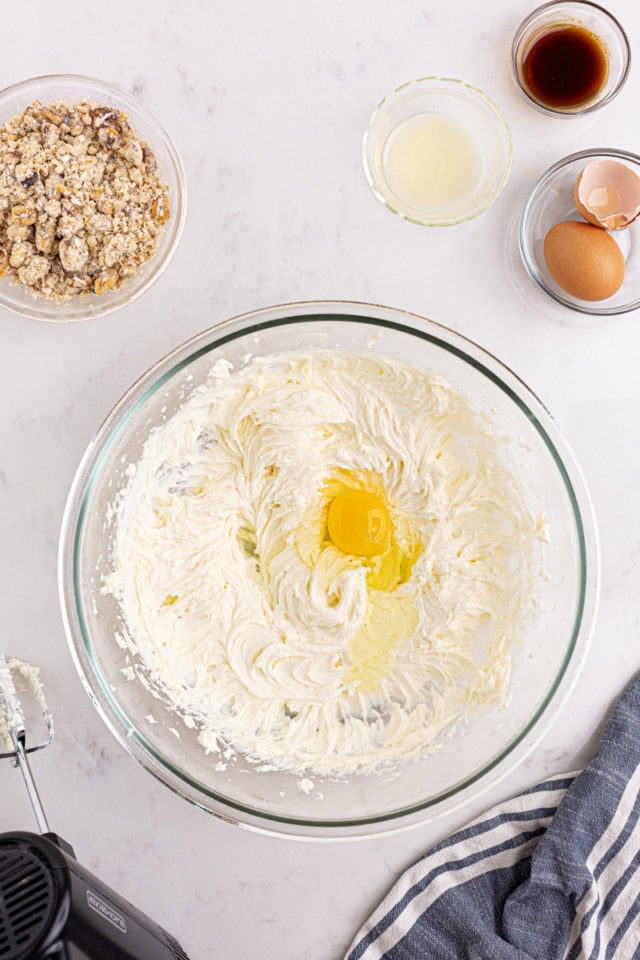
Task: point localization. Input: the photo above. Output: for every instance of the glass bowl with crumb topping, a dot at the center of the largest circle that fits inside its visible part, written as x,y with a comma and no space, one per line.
546,659
66,253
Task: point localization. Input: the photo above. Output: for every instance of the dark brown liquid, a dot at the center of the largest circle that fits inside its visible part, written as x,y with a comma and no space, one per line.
565,67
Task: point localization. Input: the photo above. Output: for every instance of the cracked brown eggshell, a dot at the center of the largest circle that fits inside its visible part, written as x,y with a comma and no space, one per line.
607,194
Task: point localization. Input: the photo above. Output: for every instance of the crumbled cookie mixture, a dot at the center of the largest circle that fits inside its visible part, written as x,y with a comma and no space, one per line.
81,204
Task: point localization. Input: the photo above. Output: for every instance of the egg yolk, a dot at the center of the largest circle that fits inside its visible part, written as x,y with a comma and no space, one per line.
359,523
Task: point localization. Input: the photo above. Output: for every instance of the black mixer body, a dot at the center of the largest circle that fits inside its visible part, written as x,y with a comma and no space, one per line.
51,908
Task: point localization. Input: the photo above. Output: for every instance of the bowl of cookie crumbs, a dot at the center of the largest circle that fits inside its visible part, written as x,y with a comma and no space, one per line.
92,198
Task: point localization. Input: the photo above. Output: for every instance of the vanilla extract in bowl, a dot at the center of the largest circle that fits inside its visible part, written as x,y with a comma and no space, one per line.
565,67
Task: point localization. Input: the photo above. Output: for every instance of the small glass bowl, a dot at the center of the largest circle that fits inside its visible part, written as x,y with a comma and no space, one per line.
73,89
452,98
597,21
550,202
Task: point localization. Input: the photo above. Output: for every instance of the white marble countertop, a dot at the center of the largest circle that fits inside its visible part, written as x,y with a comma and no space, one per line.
267,103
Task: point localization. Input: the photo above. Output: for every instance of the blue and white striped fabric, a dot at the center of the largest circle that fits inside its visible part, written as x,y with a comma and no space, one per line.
550,875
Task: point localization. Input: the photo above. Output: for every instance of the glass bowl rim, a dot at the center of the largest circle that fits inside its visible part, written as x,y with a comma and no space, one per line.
597,104
159,375
533,196
477,95
49,311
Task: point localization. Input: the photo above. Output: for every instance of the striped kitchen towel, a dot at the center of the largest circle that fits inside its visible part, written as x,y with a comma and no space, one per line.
549,875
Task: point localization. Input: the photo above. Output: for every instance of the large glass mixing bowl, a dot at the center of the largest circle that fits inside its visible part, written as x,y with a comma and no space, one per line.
546,662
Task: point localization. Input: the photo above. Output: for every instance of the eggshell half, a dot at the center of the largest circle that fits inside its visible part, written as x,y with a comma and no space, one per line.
607,194
584,260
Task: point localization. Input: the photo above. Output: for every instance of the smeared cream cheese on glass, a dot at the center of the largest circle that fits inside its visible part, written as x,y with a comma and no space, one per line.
280,645
12,713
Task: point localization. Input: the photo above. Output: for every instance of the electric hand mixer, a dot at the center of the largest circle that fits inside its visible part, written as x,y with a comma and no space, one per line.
51,908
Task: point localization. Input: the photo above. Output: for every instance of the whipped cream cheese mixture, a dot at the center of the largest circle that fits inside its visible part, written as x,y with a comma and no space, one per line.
253,622
9,698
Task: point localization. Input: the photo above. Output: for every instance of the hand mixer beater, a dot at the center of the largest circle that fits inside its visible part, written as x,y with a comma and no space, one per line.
51,908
